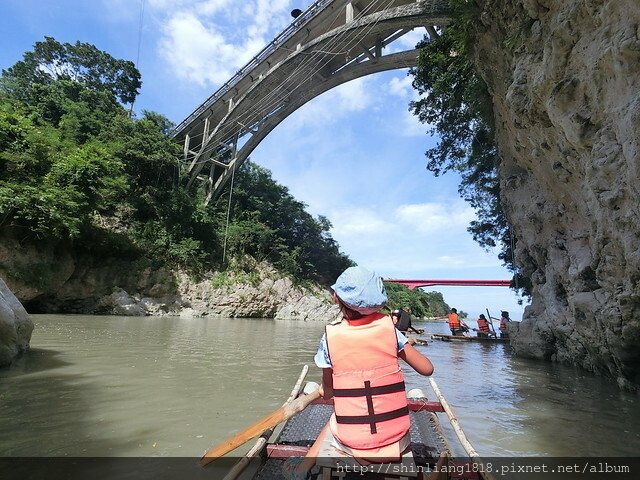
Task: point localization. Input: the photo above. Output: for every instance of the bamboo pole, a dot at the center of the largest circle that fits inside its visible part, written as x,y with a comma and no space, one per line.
239,467
491,323
466,444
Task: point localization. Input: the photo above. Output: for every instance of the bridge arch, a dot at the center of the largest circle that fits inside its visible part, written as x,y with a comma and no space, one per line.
318,54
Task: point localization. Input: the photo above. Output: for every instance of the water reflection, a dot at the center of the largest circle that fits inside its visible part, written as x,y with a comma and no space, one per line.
118,386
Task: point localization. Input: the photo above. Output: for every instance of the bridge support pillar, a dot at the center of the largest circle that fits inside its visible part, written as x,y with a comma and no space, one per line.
351,12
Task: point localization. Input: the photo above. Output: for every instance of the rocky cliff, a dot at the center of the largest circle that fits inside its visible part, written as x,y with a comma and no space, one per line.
15,326
50,278
260,296
565,82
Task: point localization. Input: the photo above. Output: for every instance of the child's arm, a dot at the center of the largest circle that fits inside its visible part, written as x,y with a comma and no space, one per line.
416,360
327,383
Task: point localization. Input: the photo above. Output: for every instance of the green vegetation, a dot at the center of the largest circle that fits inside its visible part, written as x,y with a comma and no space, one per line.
421,304
76,169
455,101
229,279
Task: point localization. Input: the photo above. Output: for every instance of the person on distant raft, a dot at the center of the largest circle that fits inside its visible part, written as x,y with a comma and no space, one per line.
504,320
483,326
457,326
359,357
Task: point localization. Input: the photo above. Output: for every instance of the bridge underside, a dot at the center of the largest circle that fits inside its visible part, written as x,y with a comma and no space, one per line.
331,43
411,284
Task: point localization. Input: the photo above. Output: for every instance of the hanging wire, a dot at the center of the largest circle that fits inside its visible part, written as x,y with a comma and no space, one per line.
279,93
226,229
140,24
140,31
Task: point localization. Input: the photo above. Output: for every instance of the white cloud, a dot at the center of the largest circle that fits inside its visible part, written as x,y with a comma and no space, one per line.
211,7
207,41
410,125
203,7
411,39
354,95
453,260
407,42
189,45
265,14
401,87
335,104
358,222
430,218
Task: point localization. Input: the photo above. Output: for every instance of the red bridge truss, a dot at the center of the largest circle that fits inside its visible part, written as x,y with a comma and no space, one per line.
458,283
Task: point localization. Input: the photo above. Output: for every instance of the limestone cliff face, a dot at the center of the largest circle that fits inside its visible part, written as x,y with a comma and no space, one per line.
57,279
565,81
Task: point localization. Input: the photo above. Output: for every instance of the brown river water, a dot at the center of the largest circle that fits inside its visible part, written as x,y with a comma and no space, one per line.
146,387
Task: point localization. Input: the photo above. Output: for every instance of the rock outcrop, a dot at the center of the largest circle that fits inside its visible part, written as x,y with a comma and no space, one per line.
15,326
269,297
266,296
56,279
565,82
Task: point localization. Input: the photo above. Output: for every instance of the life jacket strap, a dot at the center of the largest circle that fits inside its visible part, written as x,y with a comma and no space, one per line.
372,419
364,392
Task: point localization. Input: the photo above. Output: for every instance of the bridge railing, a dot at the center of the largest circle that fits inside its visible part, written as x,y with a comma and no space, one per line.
281,38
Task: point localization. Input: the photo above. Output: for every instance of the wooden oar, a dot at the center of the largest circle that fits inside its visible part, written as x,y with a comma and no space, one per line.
264,437
257,448
491,323
466,444
283,413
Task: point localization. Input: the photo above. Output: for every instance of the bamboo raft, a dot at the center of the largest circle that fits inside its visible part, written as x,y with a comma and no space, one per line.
429,456
462,338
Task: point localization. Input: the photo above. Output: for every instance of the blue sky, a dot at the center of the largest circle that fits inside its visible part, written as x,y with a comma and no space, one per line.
354,154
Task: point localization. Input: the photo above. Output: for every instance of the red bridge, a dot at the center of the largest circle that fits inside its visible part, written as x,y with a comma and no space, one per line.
459,283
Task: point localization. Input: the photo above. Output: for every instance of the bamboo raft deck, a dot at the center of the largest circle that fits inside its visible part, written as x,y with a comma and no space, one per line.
428,458
299,433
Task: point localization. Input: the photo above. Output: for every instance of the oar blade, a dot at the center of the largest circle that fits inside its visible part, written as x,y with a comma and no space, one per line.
266,423
243,436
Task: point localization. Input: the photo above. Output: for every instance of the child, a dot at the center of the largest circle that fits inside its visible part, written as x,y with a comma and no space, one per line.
359,357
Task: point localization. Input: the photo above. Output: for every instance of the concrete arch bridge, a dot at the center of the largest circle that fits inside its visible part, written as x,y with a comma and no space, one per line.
330,43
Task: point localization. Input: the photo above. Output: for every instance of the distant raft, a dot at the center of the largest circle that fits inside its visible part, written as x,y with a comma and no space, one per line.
461,338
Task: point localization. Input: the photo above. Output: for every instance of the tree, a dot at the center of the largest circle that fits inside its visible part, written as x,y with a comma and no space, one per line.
456,103
421,304
269,223
74,167
83,63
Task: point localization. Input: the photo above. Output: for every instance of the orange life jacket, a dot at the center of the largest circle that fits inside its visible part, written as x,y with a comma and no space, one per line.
368,386
483,325
454,320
